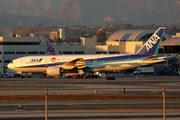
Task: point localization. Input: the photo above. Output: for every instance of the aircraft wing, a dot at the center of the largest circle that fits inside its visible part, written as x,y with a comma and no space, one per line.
79,63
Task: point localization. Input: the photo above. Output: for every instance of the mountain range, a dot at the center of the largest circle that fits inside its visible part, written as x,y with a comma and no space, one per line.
30,7
97,11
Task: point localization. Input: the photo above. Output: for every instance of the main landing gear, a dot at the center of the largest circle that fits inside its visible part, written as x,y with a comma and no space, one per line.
21,74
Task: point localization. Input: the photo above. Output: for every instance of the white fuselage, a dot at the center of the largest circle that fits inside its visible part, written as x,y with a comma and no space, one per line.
95,62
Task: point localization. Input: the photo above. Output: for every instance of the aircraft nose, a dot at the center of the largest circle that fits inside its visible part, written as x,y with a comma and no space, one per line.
9,66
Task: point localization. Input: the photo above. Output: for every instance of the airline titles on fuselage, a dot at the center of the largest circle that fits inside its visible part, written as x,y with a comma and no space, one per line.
36,60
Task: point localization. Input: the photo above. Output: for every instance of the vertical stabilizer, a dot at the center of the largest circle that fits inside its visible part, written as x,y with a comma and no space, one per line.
48,47
152,45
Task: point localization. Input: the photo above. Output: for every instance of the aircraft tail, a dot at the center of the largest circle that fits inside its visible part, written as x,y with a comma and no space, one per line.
152,45
48,47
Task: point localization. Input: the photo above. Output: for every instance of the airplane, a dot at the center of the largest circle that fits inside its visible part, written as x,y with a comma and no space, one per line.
76,65
48,47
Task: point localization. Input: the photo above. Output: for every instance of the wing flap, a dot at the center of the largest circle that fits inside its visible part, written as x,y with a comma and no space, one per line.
79,63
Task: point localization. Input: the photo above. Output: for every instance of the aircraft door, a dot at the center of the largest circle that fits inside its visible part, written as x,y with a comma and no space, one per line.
21,63
46,62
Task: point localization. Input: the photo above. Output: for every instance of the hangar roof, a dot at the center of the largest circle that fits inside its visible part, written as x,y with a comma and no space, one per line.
132,35
171,42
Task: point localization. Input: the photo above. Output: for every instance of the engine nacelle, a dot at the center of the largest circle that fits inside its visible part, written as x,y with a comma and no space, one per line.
55,71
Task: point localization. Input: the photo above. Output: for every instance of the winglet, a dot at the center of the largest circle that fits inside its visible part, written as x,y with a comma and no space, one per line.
152,45
48,47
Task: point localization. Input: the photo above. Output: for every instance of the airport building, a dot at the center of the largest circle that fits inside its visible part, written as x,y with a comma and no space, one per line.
53,35
121,42
62,33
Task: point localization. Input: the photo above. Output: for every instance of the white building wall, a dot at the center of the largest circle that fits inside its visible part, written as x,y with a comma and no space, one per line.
102,48
62,33
90,44
72,49
133,47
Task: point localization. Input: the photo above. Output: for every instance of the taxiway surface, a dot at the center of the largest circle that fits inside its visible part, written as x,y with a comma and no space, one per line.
91,115
36,86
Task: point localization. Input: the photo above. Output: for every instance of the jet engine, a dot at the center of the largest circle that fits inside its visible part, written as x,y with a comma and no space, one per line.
55,71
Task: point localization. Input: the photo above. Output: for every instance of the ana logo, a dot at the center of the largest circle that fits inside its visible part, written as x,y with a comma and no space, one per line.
50,49
53,59
152,41
36,60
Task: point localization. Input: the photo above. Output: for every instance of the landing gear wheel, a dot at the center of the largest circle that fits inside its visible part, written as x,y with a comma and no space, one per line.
84,76
80,76
77,76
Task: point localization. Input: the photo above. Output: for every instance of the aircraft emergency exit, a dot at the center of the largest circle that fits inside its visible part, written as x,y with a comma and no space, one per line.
56,65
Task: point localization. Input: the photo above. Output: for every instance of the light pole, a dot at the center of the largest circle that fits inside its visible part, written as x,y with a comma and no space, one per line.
164,104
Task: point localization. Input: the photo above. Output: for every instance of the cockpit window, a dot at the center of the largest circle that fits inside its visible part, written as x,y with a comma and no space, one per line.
11,62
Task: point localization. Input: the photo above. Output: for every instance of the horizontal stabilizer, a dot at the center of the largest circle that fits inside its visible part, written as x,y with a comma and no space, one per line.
168,57
153,57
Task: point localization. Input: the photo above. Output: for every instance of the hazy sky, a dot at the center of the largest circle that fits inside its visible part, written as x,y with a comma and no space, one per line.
7,1
12,1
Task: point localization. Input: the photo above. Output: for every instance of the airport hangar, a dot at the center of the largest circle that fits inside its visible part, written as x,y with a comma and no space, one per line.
121,42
